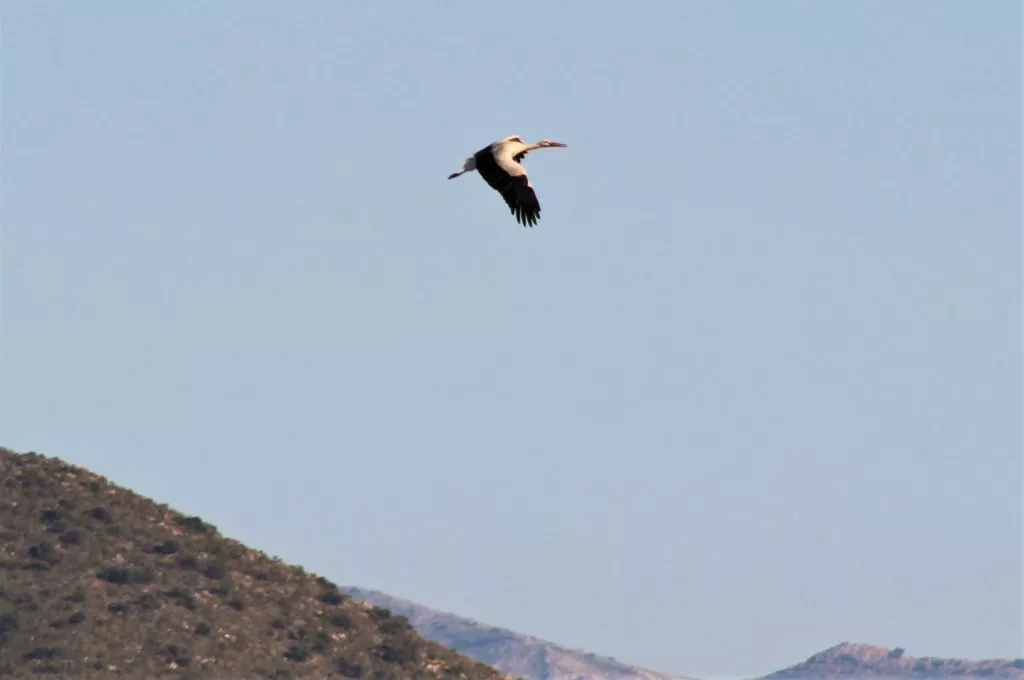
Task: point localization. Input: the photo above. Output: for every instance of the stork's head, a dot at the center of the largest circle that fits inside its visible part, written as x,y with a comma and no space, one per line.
547,142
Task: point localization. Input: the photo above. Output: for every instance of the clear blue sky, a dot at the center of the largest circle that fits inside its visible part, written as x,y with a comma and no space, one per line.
751,388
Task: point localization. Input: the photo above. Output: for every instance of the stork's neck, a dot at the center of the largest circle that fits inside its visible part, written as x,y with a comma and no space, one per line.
521,147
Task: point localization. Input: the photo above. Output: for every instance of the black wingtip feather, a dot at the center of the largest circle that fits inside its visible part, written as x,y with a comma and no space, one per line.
522,201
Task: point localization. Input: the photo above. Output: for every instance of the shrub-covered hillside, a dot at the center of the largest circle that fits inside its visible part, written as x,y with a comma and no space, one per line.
96,581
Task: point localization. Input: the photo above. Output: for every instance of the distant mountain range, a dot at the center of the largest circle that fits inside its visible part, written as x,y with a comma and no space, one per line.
534,659
512,653
97,581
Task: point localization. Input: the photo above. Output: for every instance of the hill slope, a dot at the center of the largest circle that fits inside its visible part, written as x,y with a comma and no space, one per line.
98,581
513,653
872,661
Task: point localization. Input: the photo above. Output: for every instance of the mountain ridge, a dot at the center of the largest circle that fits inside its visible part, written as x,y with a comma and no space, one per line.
862,660
96,580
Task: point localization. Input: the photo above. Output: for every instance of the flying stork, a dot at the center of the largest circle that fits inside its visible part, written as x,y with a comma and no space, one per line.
498,164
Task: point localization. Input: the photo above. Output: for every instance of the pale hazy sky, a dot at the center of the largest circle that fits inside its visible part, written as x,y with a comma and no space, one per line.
751,388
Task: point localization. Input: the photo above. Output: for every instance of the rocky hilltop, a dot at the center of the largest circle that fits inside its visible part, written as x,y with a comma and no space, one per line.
513,653
871,661
97,581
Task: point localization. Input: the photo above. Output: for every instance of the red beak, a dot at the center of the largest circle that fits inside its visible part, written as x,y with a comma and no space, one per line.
550,143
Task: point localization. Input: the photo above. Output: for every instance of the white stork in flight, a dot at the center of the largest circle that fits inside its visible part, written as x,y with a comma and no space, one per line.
498,164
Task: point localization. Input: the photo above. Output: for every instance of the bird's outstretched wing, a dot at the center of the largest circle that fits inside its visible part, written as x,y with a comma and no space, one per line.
522,200
514,188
